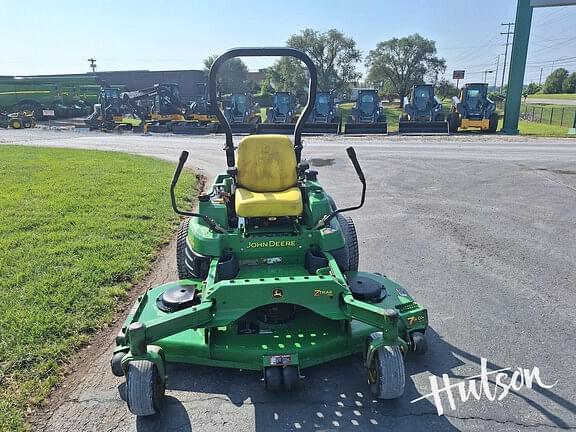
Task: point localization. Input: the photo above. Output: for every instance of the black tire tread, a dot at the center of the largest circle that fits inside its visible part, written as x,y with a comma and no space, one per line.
142,394
181,246
391,374
351,240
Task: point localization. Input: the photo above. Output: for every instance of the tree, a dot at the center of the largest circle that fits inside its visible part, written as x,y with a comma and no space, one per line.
555,80
334,54
231,77
569,84
533,88
446,89
404,62
287,74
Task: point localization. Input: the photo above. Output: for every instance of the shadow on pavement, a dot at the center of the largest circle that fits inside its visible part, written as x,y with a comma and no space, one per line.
334,396
173,417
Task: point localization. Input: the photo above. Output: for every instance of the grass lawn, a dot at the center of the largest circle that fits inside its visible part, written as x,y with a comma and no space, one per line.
571,96
542,129
77,229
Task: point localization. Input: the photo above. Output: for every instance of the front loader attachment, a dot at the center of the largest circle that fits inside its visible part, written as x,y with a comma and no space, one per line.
275,128
378,128
322,128
193,128
238,128
423,128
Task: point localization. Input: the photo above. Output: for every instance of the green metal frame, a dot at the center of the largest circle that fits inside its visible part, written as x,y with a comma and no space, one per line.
331,323
518,59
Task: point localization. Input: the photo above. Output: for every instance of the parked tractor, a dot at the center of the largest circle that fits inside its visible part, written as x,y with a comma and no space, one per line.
422,112
367,115
17,120
473,109
323,118
242,113
281,117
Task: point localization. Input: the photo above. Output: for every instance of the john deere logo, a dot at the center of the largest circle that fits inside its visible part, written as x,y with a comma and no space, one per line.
272,244
277,293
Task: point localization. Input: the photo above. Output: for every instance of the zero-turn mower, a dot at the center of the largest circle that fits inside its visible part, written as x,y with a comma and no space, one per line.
269,278
323,119
281,117
473,109
367,115
422,113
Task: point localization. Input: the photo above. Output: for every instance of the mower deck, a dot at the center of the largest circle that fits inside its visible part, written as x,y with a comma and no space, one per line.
245,342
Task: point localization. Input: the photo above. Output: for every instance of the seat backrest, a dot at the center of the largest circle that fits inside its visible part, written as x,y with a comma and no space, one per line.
266,163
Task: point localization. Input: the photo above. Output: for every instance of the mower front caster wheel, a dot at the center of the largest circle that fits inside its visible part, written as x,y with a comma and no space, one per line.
386,376
419,343
276,377
273,378
144,388
116,364
290,377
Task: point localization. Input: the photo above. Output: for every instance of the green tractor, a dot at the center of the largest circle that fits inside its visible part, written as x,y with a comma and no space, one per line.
17,120
269,277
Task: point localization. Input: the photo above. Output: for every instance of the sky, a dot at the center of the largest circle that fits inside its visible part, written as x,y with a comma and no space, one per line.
56,36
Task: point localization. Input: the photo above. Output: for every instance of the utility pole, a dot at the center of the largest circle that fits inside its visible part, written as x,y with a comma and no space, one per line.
92,64
540,79
507,33
496,74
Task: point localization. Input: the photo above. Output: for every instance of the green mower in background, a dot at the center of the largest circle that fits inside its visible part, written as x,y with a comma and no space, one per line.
269,277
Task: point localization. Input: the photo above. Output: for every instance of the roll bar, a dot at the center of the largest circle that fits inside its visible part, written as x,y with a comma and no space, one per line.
262,52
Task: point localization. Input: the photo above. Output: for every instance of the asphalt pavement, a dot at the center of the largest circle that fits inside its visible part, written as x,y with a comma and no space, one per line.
479,229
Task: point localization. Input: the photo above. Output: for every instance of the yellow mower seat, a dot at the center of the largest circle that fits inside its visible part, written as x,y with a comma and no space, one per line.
266,177
266,204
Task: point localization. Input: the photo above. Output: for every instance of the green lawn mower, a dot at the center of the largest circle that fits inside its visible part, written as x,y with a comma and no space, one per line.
269,277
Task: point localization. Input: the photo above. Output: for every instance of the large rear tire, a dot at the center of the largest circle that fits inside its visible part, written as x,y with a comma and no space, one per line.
183,271
144,388
347,257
